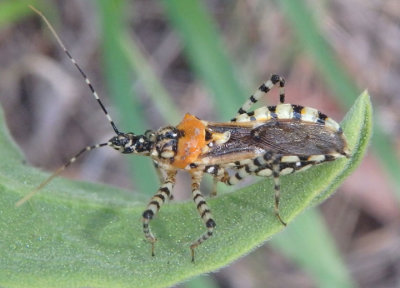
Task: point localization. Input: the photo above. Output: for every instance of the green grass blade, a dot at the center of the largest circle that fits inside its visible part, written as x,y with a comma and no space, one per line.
79,234
148,77
205,53
319,256
13,10
119,81
202,281
310,37
386,153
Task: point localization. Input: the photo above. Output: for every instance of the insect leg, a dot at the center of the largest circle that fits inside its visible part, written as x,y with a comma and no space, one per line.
163,193
218,174
214,188
268,165
161,176
264,89
204,212
241,173
277,187
160,173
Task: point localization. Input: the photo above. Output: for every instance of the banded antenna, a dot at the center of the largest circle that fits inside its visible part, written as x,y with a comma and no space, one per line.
58,171
94,93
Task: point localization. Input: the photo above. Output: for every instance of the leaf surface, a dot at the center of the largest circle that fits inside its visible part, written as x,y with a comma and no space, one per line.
81,234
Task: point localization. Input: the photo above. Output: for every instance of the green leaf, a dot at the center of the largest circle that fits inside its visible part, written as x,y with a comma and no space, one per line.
81,234
119,85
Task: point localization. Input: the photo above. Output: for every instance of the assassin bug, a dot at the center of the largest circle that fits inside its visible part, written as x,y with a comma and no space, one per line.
269,141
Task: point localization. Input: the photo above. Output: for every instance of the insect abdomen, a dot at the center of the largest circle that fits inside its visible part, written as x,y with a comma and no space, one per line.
285,129
288,112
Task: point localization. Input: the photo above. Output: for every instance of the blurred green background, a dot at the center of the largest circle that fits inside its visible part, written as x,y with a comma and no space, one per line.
153,61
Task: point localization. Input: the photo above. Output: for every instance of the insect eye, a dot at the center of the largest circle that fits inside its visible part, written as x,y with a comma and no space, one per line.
123,141
119,141
115,141
171,134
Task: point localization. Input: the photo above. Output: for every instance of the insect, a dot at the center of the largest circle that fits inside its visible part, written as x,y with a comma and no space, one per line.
269,141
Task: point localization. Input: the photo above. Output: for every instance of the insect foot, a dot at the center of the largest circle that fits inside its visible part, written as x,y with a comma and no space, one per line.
204,212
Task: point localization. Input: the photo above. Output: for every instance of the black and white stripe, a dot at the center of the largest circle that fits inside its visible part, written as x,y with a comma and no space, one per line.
289,112
204,212
277,185
263,89
94,93
163,193
59,170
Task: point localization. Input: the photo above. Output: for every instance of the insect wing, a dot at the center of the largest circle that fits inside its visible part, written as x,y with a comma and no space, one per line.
293,137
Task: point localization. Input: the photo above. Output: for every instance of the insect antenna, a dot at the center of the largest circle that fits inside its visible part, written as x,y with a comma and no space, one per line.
94,93
58,171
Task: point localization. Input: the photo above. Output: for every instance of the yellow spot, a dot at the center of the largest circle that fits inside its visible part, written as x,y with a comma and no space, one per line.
284,111
309,114
262,114
290,159
243,118
316,158
265,172
286,171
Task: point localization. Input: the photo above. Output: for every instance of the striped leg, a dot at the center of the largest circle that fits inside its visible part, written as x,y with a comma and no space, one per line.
277,186
264,89
204,212
222,176
159,171
260,166
154,205
161,176
214,188
241,173
266,165
218,174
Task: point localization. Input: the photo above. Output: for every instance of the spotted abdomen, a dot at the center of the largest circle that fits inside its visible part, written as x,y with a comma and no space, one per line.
288,112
